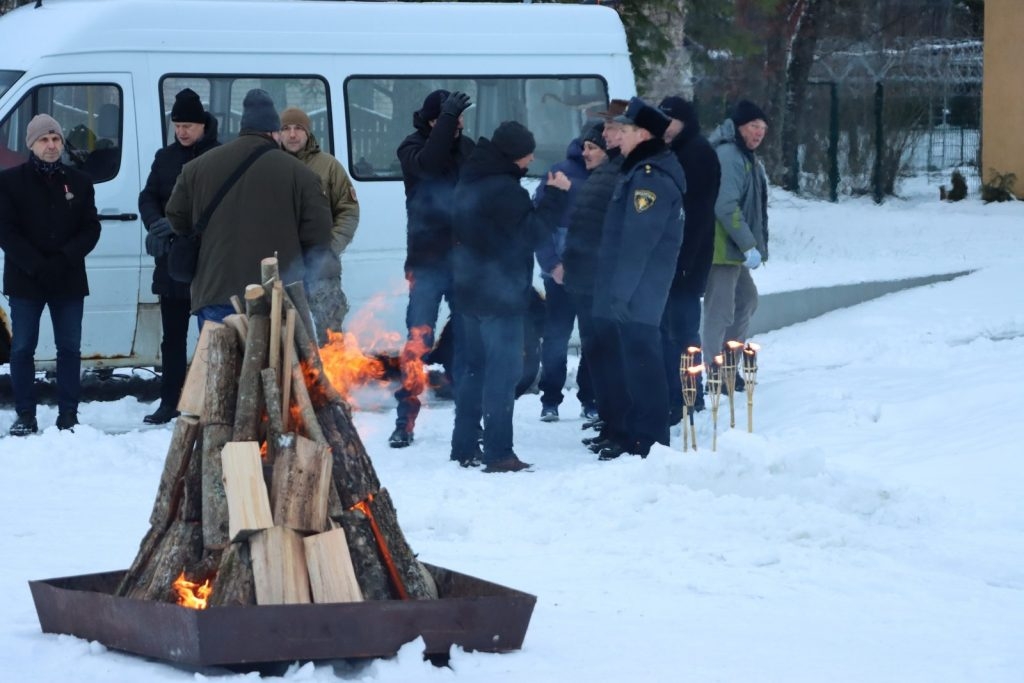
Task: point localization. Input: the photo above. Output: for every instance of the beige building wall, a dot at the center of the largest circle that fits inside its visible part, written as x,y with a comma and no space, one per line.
1002,104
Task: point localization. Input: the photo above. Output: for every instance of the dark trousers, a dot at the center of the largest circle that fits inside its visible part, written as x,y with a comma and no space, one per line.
427,287
174,317
603,350
491,347
585,373
644,374
680,328
66,318
559,317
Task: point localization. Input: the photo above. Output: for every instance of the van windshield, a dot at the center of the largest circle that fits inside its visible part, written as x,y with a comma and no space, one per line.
7,79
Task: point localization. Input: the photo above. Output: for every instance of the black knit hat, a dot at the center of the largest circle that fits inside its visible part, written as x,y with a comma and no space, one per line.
745,112
679,109
187,108
513,140
431,108
258,112
641,114
595,134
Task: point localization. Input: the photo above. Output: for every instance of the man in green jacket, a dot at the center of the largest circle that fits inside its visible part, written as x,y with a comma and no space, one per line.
276,206
741,229
326,297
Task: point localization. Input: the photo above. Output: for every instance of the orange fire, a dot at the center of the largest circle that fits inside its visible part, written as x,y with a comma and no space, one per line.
191,594
389,561
414,372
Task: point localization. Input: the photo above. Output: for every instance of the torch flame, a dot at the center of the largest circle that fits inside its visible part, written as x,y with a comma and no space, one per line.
191,594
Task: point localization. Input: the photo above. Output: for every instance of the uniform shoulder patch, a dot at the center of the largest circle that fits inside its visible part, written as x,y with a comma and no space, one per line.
643,200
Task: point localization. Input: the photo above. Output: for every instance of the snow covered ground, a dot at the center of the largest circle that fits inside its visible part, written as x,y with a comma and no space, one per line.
870,529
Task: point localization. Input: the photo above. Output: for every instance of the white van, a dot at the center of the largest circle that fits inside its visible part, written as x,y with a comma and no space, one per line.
108,70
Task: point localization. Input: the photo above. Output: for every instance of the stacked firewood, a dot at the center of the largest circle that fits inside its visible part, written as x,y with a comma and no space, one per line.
267,490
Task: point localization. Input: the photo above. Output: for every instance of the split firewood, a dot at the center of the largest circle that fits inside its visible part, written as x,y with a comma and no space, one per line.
297,298
304,405
245,489
249,407
331,575
240,325
221,390
279,567
300,485
272,399
289,356
274,354
193,393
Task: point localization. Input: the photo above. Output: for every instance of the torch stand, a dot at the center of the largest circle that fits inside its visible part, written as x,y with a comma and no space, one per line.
729,375
714,387
689,369
750,378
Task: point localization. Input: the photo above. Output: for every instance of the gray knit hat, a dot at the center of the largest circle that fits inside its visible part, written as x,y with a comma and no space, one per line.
258,112
40,125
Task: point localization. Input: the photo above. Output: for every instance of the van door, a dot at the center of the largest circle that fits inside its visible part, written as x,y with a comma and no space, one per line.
97,114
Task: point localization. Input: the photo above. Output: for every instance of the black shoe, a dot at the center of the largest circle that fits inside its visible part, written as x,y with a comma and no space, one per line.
587,440
597,424
611,452
471,459
25,424
400,438
163,415
549,414
67,419
510,463
599,446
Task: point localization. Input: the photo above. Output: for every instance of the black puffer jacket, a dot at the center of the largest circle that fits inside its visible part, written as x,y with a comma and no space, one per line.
38,220
496,230
166,167
585,225
430,159
703,176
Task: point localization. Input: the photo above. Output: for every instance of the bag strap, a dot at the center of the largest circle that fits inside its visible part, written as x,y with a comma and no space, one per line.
200,225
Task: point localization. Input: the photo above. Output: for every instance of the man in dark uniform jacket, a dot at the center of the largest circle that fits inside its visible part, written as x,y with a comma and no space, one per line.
643,232
48,224
195,131
680,325
430,158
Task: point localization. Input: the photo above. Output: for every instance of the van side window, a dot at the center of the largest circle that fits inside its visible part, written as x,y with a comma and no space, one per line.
222,98
379,113
91,117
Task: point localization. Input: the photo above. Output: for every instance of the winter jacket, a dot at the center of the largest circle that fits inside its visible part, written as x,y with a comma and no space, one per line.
703,177
276,206
164,173
430,159
586,222
43,218
741,210
550,251
643,231
496,230
335,182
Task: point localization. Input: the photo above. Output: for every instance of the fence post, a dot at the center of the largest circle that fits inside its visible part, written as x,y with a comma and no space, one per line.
877,182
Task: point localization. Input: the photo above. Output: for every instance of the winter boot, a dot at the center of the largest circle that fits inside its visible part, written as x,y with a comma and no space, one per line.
25,424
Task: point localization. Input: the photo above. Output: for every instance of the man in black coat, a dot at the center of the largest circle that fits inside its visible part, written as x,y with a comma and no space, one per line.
680,326
430,158
643,231
195,131
497,229
48,224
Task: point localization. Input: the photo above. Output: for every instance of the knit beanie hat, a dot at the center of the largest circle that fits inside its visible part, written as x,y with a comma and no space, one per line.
187,108
595,134
258,112
513,140
431,108
293,116
678,109
40,125
745,112
643,115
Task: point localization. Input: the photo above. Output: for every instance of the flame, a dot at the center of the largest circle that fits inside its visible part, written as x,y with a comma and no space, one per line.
191,594
389,561
414,372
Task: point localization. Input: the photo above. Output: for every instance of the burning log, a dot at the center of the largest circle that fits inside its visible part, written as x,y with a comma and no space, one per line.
181,546
234,583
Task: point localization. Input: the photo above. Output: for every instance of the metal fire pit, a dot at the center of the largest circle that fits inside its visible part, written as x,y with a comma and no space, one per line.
471,613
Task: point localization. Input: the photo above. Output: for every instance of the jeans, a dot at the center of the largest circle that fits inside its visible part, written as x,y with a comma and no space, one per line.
213,313
66,318
427,286
492,350
174,316
680,328
560,314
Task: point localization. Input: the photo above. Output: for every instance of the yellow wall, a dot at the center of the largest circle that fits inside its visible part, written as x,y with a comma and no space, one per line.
1002,104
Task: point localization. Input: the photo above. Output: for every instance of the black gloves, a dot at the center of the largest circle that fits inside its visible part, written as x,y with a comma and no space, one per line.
455,104
158,239
619,310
